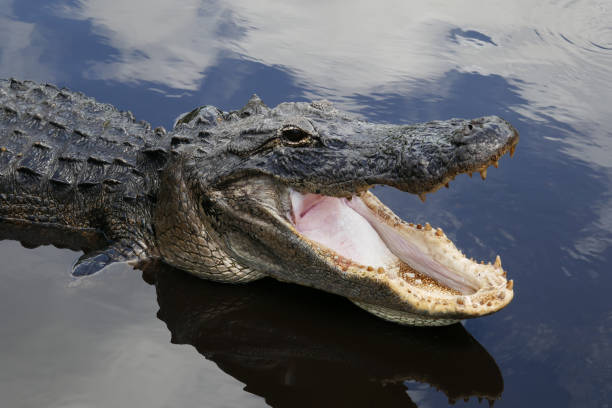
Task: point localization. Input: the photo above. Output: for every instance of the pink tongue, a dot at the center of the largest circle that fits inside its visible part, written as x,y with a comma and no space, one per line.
331,222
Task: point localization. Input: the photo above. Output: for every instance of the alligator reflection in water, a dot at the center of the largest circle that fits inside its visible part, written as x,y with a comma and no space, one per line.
297,347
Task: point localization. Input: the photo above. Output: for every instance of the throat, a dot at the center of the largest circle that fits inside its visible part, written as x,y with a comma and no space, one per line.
333,223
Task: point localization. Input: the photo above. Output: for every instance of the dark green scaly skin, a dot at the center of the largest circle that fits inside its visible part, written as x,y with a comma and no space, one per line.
71,162
211,197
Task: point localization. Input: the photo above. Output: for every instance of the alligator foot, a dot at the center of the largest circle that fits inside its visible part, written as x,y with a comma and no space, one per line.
93,262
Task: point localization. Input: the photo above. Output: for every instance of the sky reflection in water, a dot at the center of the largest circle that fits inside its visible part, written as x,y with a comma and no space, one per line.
547,68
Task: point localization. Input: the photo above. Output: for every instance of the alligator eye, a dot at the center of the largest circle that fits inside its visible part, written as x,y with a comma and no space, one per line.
294,135
468,129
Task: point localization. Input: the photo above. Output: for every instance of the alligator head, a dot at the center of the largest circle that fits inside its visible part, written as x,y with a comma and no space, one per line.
284,192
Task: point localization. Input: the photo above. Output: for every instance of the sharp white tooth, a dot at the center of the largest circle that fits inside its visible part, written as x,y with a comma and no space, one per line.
497,262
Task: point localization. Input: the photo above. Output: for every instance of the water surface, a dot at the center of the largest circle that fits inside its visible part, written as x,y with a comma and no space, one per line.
159,338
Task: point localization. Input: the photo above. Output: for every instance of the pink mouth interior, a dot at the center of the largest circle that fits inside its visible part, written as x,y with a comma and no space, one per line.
331,222
352,230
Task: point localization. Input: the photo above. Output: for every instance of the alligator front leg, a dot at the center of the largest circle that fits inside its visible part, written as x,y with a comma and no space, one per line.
129,234
124,250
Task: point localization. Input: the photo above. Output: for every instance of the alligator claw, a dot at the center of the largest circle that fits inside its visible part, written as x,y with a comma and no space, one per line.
93,262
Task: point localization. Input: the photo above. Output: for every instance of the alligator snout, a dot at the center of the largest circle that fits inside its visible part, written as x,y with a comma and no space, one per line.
483,130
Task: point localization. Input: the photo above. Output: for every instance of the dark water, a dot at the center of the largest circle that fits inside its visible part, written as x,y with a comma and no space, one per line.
122,338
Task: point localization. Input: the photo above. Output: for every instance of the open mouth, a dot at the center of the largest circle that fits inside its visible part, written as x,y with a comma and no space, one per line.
360,235
321,226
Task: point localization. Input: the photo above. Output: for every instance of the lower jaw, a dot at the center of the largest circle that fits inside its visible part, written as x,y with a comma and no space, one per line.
430,301
405,318
359,235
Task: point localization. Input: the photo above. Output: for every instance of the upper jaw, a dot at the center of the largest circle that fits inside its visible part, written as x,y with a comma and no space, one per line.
418,159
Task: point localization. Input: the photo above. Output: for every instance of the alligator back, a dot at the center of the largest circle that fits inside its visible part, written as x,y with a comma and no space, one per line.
66,159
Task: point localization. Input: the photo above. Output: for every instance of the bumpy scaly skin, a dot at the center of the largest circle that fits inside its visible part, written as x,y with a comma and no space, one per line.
68,161
188,241
211,197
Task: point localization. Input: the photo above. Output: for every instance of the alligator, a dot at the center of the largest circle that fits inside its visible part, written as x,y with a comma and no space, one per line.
258,192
